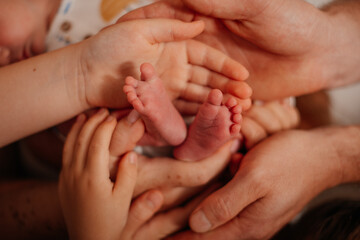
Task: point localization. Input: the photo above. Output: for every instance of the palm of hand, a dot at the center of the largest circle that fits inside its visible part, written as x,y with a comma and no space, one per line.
284,176
269,65
178,62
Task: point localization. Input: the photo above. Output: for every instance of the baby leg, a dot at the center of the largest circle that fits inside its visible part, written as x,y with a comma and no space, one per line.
214,125
163,123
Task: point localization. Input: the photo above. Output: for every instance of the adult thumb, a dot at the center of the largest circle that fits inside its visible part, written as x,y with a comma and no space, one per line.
169,30
222,206
229,9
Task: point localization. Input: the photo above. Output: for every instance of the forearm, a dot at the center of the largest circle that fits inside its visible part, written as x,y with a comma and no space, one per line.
30,210
341,144
40,92
343,52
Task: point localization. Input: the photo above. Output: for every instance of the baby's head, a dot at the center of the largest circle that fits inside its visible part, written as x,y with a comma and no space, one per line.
23,28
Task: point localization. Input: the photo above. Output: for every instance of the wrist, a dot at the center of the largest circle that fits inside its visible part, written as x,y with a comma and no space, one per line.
74,69
341,50
341,145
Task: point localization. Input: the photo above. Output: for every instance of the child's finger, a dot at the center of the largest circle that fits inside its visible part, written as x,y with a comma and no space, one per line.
141,210
84,138
126,178
173,220
68,151
126,134
203,77
98,154
169,30
186,107
210,58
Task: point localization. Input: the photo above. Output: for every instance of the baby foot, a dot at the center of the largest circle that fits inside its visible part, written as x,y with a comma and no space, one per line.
163,123
214,125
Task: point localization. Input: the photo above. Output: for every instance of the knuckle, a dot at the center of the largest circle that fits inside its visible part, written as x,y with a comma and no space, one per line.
221,209
258,183
249,230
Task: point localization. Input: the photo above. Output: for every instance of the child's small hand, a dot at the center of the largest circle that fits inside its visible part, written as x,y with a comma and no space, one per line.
93,206
271,117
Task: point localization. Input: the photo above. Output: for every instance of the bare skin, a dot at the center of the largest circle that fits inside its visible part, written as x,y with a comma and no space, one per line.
214,125
150,99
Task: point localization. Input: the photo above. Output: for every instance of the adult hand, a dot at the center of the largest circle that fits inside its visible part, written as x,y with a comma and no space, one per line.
188,68
274,181
266,119
288,47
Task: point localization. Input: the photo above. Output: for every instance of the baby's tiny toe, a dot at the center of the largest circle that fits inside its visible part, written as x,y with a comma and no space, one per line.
235,129
131,96
128,89
215,97
236,109
138,105
131,81
236,118
231,102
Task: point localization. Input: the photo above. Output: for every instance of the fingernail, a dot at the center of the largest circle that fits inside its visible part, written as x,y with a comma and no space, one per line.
80,117
235,146
132,158
199,222
133,116
110,118
101,111
154,200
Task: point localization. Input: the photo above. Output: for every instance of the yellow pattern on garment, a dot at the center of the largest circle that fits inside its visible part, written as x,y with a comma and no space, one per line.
111,8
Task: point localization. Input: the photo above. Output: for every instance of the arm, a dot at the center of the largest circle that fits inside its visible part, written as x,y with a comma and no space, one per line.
280,176
289,47
91,74
40,92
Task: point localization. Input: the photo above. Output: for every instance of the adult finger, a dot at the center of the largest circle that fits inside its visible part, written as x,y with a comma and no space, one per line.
97,162
252,132
162,9
141,210
227,9
169,30
224,204
86,133
69,146
263,116
283,113
179,173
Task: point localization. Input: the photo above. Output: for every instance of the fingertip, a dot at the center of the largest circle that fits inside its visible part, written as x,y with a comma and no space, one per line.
131,158
81,118
246,104
200,24
154,199
199,222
